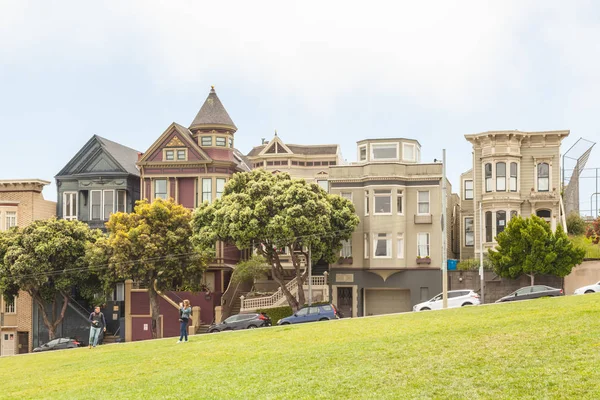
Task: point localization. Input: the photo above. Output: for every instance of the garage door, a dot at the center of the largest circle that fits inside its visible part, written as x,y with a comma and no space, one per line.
387,301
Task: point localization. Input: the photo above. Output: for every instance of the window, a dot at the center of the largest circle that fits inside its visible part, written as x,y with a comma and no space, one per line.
160,189
513,214
399,208
469,190
469,232
230,140
382,246
383,202
500,221
366,245
408,152
10,306
121,199
513,177
206,141
488,226
544,214
400,245
169,155
346,248
309,163
324,184
181,155
96,210
220,141
347,195
423,244
387,151
366,202
70,205
302,312
488,177
543,177
220,187
11,219
500,177
423,200
362,153
109,202
206,190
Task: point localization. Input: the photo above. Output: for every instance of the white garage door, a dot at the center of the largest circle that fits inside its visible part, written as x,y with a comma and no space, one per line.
387,301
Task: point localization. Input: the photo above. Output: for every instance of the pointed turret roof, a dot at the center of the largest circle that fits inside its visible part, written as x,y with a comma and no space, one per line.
213,114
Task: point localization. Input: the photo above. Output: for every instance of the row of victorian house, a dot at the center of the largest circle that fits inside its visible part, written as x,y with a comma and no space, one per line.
392,262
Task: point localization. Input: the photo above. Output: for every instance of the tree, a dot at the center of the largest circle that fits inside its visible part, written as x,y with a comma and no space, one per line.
593,231
250,270
273,212
575,224
46,260
528,246
151,246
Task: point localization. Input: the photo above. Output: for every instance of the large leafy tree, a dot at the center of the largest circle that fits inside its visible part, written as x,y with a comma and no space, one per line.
46,260
153,247
528,246
271,212
593,231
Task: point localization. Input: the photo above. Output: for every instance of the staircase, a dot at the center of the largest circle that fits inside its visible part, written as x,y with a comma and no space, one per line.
109,339
319,283
202,329
237,304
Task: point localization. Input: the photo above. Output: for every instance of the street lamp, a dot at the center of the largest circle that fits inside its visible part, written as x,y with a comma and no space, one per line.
444,234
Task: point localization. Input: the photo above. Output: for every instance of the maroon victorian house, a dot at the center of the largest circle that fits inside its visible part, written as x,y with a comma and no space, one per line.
191,165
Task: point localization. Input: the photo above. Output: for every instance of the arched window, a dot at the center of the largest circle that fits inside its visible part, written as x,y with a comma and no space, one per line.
546,215
500,221
500,177
513,177
488,177
543,177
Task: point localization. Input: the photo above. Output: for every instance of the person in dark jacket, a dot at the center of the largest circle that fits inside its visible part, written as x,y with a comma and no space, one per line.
185,310
98,325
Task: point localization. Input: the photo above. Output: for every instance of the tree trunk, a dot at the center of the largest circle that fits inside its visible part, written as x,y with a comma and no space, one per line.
288,295
300,283
532,276
154,309
51,324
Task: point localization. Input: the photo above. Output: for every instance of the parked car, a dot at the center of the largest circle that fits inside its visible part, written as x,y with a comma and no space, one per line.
241,321
456,298
58,344
593,288
531,292
323,312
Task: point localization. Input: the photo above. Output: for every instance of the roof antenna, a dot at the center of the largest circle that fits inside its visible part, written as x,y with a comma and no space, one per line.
263,140
275,132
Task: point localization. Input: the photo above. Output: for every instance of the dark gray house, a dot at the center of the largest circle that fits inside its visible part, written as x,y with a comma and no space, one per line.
101,179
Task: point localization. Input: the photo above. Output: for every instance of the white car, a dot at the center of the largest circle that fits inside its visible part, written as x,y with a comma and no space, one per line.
456,298
594,288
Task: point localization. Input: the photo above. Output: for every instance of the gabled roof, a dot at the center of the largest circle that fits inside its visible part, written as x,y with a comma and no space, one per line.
184,133
212,114
297,149
123,157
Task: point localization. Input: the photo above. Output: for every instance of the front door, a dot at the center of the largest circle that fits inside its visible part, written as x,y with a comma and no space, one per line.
8,343
344,299
23,338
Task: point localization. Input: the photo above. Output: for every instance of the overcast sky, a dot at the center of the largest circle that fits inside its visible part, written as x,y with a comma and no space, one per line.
316,71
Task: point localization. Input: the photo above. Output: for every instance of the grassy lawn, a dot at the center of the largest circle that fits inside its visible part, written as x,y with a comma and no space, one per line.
539,349
591,250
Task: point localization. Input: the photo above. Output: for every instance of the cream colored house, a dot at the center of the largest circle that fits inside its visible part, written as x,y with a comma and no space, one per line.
395,256
514,173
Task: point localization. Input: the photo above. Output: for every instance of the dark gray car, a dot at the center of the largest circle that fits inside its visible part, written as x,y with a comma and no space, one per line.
532,292
241,321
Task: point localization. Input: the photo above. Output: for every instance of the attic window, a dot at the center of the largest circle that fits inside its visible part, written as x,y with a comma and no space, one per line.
169,155
220,141
182,155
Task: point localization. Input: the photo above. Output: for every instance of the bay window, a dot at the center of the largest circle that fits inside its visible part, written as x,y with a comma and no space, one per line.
382,202
500,177
206,190
408,152
513,177
160,189
384,151
500,221
488,177
121,199
399,198
109,202
400,250
382,245
206,141
366,202
488,226
70,206
96,205
220,187
366,245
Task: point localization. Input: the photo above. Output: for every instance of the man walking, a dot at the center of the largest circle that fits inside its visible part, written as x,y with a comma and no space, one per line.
98,325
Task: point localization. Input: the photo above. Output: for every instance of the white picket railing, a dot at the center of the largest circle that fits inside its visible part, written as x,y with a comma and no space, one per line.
276,298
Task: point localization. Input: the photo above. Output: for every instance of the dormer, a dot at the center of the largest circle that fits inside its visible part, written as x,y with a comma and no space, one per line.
389,150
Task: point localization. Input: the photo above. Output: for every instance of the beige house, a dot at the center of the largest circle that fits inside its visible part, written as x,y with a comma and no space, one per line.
514,173
21,202
395,256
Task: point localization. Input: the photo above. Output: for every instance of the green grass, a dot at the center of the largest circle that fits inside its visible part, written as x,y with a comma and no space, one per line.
591,250
539,349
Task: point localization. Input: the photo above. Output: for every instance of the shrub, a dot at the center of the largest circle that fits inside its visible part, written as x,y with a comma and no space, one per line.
472,264
575,224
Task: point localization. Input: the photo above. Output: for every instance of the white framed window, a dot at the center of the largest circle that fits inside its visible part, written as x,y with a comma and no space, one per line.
409,152
346,248
70,206
96,205
10,307
382,202
220,187
10,218
160,189
169,155
220,141
489,236
384,151
366,245
488,177
469,232
324,184
206,141
382,245
501,177
423,244
207,190
423,202
468,190
347,195
121,201
400,244
108,203
182,155
513,176
399,202
543,177
362,153
366,202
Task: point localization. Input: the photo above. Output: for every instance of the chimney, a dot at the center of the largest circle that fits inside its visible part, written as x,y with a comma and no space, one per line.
140,155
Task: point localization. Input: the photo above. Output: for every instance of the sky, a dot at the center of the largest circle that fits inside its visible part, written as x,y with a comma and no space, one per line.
317,72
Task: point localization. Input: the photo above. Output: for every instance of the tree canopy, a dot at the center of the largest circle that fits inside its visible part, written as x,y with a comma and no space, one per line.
271,212
153,247
593,231
528,246
47,260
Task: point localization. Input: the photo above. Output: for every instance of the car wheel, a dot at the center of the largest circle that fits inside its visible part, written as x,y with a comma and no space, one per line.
252,327
589,291
425,309
467,304
324,319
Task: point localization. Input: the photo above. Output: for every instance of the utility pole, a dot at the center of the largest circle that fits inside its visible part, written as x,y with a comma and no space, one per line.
444,235
481,272
309,276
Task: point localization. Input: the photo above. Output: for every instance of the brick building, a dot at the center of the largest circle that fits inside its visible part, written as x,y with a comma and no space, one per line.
21,203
